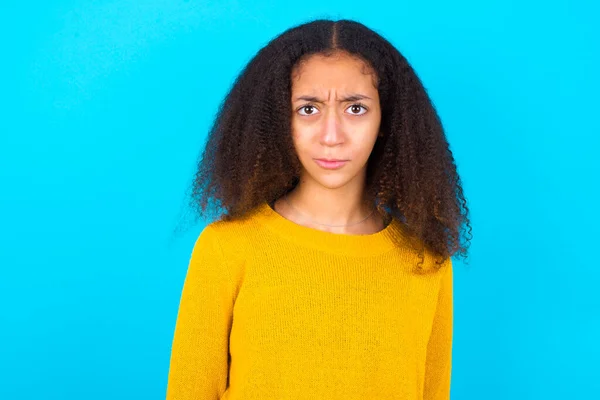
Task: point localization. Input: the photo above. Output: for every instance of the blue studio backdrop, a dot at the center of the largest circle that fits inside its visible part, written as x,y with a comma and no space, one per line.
105,106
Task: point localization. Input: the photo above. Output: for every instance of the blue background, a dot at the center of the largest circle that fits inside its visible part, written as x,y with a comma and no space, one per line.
105,106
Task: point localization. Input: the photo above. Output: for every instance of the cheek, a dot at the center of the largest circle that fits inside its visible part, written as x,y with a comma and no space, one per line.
362,147
301,142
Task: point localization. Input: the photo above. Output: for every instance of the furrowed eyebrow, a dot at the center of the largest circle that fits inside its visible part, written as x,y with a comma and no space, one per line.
313,99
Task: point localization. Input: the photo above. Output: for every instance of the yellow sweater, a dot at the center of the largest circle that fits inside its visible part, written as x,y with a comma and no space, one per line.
271,309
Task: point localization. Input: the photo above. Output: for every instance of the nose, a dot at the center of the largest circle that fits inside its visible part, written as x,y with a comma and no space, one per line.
332,133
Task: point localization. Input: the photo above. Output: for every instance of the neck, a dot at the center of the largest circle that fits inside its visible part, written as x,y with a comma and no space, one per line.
338,207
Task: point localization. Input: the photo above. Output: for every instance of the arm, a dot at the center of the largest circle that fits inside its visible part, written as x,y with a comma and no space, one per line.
200,349
439,349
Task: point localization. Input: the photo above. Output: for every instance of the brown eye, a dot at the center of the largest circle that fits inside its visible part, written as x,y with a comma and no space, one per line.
357,107
307,107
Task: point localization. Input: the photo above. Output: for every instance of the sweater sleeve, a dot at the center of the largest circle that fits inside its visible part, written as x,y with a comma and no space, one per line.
199,363
439,348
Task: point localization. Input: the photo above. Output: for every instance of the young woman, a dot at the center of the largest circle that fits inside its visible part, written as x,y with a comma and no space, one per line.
328,274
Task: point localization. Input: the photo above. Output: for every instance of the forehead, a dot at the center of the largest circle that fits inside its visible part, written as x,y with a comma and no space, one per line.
340,72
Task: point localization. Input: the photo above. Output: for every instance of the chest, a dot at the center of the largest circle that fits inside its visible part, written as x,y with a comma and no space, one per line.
325,305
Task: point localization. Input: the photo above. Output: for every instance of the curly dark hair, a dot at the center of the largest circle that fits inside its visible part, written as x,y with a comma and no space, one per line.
249,156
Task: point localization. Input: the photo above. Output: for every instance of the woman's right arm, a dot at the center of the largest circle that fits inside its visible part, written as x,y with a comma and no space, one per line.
200,349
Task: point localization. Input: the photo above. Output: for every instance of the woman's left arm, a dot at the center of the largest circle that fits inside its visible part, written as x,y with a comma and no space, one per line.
439,348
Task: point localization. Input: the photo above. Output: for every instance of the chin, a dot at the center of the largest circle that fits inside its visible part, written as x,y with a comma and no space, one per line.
333,181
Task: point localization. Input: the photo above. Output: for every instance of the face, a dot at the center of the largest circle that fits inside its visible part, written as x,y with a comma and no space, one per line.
336,115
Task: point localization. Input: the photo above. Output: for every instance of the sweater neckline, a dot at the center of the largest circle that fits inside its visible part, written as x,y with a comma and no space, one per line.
340,243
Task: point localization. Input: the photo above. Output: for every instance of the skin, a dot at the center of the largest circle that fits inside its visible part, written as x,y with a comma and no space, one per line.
338,128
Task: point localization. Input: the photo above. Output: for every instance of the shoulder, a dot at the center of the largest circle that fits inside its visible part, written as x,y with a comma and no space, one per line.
232,237
220,252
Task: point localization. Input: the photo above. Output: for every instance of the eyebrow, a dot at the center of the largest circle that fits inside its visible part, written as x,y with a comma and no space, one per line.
314,99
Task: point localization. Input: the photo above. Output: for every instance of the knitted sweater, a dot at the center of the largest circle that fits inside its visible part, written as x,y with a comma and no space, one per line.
271,309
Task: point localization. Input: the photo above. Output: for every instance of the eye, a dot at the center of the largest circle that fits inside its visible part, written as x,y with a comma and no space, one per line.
312,108
307,106
358,105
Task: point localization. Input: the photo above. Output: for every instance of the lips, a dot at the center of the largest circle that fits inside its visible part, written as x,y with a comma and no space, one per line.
330,163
